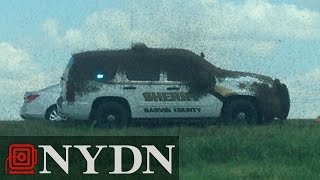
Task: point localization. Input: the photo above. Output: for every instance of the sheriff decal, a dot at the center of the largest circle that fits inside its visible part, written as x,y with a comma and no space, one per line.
166,96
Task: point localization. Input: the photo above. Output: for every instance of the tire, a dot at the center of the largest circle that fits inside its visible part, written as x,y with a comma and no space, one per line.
268,119
240,111
111,114
285,102
52,114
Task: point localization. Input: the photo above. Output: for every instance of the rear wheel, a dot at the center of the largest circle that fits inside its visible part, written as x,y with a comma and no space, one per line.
111,114
52,114
268,119
240,111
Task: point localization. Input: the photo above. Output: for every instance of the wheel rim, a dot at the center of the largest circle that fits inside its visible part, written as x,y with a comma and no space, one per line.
54,116
243,115
112,115
111,118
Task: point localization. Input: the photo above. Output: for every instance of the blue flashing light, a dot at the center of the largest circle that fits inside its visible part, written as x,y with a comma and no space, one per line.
100,76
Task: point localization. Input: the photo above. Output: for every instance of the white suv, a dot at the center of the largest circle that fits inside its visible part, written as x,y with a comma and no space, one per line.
116,86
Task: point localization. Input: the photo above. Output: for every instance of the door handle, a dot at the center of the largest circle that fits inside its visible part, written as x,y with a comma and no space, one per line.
130,87
173,88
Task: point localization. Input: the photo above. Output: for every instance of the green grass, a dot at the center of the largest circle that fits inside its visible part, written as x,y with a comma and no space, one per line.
289,150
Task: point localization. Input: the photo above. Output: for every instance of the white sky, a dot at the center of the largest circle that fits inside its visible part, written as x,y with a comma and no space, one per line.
276,38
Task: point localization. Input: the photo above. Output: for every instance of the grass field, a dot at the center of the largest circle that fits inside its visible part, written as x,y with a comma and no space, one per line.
289,150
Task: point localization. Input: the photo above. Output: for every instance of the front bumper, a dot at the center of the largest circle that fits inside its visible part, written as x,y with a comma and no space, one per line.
284,100
274,101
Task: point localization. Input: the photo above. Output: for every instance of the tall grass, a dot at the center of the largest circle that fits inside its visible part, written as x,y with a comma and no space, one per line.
289,150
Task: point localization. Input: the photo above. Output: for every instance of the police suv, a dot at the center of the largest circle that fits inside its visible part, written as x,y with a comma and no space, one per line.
117,86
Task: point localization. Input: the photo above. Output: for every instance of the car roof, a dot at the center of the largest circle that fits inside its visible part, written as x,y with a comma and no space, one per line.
180,61
167,52
141,56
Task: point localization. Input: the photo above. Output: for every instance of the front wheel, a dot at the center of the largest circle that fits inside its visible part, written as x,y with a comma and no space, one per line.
240,111
111,114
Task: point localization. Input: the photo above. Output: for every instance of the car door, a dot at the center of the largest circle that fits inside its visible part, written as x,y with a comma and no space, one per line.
143,91
185,104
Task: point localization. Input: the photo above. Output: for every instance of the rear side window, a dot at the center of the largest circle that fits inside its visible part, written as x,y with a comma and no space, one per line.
179,71
103,75
142,69
93,68
67,69
70,63
175,75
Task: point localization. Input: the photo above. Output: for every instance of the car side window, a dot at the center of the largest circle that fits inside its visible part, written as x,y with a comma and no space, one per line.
143,74
104,71
143,69
176,74
102,76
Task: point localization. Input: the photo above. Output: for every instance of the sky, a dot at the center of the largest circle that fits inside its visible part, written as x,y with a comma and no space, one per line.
278,38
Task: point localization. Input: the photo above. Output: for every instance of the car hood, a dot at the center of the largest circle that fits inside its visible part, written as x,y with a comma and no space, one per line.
240,83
